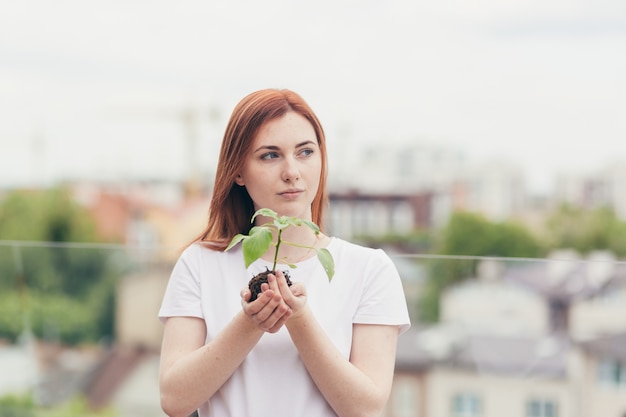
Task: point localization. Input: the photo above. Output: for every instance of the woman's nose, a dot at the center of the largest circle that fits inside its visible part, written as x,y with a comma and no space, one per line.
290,170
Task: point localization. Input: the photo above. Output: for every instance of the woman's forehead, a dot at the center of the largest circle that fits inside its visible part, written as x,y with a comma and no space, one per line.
291,128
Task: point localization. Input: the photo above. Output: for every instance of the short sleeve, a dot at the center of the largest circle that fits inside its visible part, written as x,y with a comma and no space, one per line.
383,300
182,295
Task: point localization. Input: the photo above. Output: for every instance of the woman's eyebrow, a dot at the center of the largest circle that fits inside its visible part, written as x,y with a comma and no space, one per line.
276,148
306,142
267,147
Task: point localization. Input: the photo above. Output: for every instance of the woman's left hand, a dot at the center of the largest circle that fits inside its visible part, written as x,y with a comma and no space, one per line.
269,311
294,296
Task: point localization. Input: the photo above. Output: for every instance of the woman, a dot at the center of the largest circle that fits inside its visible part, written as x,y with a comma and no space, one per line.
310,349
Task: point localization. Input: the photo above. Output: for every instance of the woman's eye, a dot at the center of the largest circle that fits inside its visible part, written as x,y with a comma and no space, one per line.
269,155
307,152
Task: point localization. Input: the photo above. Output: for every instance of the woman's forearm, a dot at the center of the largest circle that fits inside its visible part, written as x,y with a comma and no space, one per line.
190,378
192,371
350,390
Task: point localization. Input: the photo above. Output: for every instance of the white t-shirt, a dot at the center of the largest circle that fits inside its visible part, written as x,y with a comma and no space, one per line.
272,380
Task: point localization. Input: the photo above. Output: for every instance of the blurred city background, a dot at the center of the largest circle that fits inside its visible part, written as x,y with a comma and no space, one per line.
482,145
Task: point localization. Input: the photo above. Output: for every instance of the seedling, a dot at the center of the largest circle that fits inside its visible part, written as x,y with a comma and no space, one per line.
258,241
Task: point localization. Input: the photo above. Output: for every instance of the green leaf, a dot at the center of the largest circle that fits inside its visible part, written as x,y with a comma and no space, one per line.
265,212
238,238
260,238
326,259
294,221
256,244
312,226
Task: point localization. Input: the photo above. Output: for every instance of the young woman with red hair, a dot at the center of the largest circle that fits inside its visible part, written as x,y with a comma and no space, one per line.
312,349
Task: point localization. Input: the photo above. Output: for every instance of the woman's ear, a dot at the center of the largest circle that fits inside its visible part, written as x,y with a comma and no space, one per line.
239,180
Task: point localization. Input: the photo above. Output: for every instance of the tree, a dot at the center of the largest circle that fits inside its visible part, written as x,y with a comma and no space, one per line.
51,216
586,230
471,235
55,268
47,215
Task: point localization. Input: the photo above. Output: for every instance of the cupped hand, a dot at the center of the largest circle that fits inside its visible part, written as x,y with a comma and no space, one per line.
269,312
294,296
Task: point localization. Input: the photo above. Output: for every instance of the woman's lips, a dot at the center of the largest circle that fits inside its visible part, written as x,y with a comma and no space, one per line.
290,194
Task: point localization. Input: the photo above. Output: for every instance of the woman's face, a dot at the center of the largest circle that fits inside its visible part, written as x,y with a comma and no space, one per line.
282,170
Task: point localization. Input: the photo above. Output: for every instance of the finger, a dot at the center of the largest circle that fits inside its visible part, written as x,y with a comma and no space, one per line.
282,287
278,284
272,281
271,310
254,307
281,321
245,294
297,289
278,317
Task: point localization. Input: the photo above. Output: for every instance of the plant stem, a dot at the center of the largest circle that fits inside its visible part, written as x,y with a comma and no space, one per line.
297,245
278,242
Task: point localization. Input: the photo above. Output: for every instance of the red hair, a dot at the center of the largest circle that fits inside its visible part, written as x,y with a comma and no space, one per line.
231,206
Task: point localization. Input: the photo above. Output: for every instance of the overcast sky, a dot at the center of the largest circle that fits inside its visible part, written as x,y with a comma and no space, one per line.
94,89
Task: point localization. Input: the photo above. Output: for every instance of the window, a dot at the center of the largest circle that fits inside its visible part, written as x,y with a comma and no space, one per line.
466,405
541,408
612,373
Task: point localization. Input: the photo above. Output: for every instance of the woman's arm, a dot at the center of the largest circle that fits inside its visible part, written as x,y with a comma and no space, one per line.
359,387
191,372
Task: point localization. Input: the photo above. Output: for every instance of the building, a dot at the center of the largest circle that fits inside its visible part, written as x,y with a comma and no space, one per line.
375,214
447,372
523,340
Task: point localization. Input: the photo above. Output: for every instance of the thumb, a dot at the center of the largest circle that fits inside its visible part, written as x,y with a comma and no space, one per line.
298,289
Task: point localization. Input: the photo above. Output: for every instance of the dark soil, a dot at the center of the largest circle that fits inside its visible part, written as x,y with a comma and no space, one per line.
255,283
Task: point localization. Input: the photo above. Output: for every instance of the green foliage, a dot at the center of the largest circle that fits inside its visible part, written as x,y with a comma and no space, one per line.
69,270
586,230
12,314
259,239
471,235
77,407
17,406
66,290
24,406
50,316
48,215
60,299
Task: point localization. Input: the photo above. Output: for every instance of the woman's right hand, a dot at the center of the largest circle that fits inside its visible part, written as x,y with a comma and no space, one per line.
269,312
